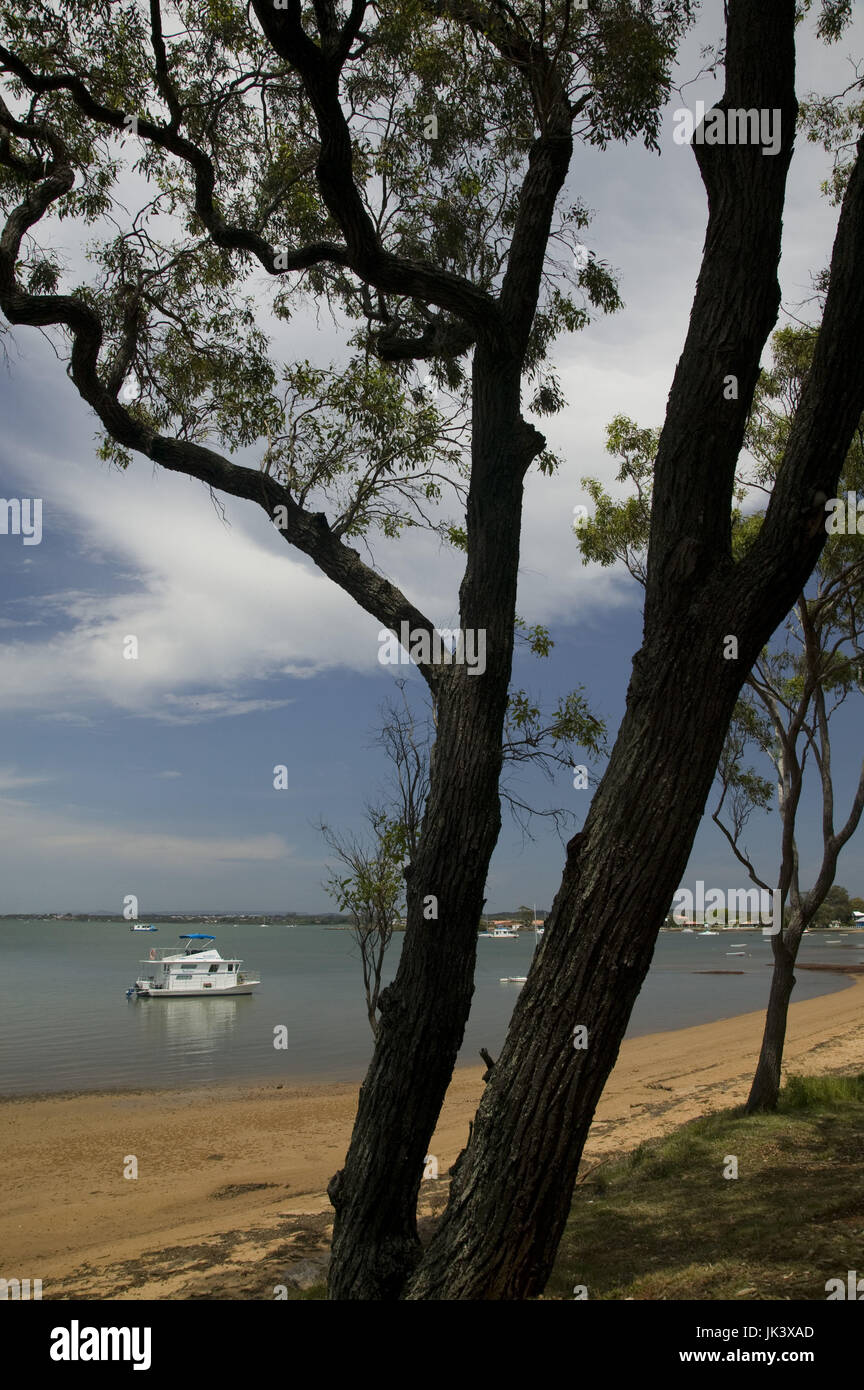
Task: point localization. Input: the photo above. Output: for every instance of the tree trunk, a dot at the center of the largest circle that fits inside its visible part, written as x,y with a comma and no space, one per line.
424,1011
766,1081
511,1196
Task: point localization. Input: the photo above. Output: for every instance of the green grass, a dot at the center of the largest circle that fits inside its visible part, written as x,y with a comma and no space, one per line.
664,1223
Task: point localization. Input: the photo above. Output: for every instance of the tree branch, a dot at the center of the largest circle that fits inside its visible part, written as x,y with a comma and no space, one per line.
308,532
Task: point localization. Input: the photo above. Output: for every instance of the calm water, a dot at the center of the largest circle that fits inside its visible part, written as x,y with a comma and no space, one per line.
66,1025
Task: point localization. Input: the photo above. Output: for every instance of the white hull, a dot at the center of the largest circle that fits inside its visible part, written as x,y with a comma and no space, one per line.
145,992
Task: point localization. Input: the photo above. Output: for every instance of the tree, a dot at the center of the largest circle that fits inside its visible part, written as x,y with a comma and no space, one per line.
792,693
372,892
835,907
799,691
794,687
269,140
407,742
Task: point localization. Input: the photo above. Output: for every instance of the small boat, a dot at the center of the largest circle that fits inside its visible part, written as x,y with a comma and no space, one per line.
707,933
192,971
500,934
686,931
736,953
513,979
150,928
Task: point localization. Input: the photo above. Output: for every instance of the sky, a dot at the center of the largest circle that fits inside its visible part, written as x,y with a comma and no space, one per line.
154,776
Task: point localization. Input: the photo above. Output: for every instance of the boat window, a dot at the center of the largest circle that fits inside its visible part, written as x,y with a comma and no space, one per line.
213,969
183,977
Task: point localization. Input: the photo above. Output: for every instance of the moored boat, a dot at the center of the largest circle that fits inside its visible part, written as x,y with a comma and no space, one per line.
193,971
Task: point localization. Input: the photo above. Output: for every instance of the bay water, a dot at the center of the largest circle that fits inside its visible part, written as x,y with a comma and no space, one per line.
66,1025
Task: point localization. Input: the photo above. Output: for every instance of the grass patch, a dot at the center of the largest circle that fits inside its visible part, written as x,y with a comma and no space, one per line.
664,1223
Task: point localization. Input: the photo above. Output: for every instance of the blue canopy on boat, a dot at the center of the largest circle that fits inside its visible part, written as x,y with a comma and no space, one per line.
196,936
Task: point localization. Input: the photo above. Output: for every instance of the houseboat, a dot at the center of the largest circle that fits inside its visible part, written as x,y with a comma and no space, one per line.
192,971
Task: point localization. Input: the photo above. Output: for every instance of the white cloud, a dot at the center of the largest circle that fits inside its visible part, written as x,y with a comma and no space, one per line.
191,709
30,834
10,780
149,849
215,609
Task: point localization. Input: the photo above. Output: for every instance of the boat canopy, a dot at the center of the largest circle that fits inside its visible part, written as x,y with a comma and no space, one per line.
195,936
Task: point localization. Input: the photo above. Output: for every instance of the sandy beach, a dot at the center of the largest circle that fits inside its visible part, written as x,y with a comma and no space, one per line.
230,1193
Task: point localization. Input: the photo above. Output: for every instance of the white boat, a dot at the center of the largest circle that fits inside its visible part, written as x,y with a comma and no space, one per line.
500,934
513,979
193,971
707,933
150,928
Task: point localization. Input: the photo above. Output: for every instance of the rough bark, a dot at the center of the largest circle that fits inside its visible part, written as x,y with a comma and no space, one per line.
766,1081
512,1194
424,1011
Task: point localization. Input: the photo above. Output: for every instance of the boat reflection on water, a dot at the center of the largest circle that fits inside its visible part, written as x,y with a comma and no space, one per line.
199,1028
